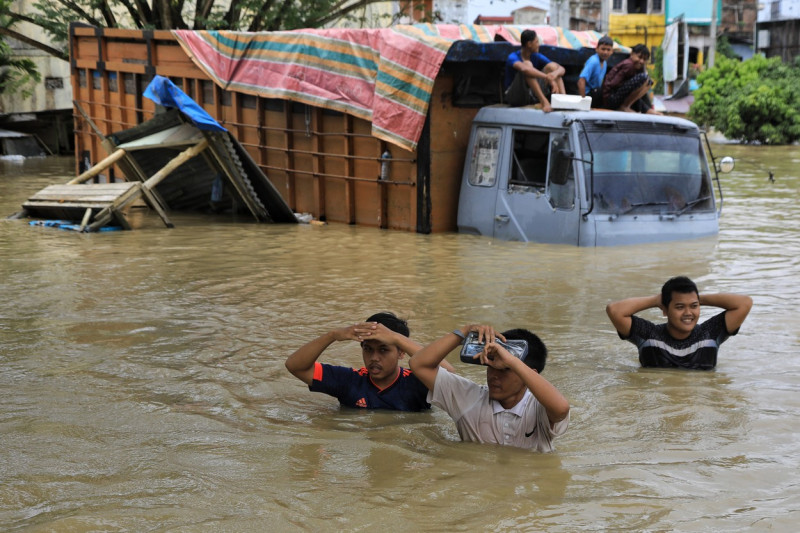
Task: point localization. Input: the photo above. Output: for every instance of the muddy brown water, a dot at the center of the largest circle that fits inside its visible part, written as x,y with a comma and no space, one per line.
143,386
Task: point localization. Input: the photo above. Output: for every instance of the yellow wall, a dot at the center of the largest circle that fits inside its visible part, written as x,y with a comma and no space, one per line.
630,30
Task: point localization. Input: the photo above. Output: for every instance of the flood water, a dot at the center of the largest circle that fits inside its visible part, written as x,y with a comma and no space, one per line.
144,389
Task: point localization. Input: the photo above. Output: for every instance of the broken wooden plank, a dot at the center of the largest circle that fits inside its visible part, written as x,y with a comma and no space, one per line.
86,216
175,162
98,168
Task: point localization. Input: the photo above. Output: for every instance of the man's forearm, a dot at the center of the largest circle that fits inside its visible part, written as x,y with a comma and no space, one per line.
552,400
432,355
425,363
737,307
631,306
581,87
407,345
304,358
620,312
727,301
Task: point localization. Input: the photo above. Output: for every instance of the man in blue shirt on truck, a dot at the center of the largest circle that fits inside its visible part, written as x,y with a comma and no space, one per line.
590,82
526,71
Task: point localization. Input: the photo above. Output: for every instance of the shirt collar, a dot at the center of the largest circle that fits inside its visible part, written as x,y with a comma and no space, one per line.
517,409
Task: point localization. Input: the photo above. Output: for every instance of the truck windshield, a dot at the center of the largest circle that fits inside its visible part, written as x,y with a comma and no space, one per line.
638,172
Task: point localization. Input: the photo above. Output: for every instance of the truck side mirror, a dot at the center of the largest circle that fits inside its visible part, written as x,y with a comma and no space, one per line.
560,170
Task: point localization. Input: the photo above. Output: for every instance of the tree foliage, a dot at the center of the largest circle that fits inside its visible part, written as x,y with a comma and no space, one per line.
755,101
245,15
15,73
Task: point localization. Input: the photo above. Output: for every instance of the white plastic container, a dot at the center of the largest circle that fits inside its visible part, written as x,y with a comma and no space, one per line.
571,101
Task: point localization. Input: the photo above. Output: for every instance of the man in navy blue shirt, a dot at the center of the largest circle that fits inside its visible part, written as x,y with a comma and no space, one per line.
682,342
381,383
525,69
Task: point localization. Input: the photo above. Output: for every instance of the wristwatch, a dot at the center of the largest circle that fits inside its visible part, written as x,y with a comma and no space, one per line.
458,332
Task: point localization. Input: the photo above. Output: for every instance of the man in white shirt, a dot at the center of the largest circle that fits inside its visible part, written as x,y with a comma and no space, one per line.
516,407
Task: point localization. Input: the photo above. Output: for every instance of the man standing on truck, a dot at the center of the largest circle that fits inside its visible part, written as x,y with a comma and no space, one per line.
590,82
681,342
625,87
516,407
525,69
381,383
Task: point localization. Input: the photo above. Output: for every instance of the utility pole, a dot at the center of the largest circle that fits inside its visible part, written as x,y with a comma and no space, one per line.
712,46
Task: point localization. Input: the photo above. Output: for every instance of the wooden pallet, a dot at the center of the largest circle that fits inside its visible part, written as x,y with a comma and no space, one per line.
102,201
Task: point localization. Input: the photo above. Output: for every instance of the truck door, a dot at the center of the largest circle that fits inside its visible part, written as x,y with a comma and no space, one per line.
536,200
479,191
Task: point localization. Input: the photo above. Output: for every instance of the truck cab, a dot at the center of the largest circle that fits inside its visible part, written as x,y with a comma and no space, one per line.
585,178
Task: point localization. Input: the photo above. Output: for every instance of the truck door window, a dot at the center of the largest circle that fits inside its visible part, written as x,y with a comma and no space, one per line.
529,158
485,153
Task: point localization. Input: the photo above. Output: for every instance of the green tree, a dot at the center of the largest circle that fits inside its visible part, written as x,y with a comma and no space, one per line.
15,73
724,48
755,101
246,15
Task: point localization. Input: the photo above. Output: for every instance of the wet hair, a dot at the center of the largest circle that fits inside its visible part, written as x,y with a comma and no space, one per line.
642,51
606,40
537,351
527,36
391,321
679,284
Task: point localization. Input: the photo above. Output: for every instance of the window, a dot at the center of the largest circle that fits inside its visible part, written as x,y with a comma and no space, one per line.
485,153
54,83
529,158
617,5
648,172
637,6
542,162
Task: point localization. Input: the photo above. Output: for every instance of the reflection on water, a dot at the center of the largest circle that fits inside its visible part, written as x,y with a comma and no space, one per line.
144,385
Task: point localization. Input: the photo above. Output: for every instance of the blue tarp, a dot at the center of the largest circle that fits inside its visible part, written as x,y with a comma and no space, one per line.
163,92
68,225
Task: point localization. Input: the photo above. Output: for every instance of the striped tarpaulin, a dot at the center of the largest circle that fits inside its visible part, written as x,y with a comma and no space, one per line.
382,75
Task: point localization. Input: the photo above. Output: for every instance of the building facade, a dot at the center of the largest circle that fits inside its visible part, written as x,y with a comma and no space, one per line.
47,110
778,29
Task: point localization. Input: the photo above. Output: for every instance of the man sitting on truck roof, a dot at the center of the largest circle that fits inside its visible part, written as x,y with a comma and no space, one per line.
526,70
590,82
625,87
381,383
681,342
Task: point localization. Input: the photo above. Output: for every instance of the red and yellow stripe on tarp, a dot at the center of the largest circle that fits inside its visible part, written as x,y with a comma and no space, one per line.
382,75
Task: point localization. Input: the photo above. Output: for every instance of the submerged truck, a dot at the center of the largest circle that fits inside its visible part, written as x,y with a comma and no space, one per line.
404,128
592,178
